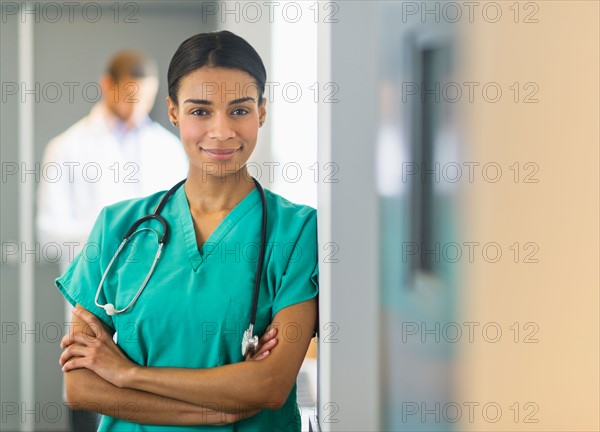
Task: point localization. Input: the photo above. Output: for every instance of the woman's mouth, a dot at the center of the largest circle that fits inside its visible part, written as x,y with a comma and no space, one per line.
220,154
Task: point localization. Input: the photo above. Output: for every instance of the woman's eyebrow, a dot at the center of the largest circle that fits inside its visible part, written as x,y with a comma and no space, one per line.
242,100
197,102
207,102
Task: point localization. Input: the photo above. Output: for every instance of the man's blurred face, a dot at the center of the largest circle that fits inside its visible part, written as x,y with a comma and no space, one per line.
130,98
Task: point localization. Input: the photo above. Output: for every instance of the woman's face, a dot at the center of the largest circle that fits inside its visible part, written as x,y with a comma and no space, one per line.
218,116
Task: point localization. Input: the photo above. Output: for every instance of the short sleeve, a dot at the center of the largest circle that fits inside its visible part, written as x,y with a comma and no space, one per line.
79,282
300,280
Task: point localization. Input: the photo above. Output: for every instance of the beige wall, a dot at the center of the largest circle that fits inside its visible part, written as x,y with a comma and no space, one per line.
560,213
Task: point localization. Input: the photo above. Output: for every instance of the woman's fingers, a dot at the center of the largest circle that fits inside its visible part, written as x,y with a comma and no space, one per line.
270,334
265,344
75,363
74,350
66,341
80,338
262,355
264,350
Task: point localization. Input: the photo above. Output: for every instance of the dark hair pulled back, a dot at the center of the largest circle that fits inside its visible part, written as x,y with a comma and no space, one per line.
215,49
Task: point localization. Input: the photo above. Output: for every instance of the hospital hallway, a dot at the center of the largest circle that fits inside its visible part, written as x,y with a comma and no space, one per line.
452,152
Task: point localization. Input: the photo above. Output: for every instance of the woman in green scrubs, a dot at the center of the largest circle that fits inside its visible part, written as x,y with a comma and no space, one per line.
177,362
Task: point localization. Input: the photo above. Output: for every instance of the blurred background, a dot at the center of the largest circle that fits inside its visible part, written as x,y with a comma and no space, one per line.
451,150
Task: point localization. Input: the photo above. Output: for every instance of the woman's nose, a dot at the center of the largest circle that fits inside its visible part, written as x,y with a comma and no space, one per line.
220,128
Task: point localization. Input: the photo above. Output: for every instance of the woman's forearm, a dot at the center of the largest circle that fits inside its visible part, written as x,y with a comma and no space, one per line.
240,387
264,384
231,388
87,391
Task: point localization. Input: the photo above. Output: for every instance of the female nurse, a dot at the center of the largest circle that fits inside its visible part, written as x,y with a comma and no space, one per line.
177,362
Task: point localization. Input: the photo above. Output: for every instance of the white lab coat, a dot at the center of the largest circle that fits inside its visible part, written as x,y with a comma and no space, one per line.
95,163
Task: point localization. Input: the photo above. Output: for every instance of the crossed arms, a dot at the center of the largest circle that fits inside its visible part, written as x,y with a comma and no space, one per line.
100,378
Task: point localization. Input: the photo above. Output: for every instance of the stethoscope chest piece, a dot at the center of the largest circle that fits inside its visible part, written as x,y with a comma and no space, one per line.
109,308
249,341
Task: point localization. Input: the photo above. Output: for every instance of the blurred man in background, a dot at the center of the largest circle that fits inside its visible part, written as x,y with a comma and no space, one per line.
114,153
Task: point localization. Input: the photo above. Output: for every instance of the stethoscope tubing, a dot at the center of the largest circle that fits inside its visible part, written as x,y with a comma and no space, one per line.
109,307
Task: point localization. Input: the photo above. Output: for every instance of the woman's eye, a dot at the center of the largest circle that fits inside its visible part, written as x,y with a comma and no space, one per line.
199,112
240,111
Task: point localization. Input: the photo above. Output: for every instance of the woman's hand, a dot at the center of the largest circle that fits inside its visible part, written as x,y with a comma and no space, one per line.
96,352
265,344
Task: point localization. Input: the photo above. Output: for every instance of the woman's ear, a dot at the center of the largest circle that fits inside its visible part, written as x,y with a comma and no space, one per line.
172,111
262,112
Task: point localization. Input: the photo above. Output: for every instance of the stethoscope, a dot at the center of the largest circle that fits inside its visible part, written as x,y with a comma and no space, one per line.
249,339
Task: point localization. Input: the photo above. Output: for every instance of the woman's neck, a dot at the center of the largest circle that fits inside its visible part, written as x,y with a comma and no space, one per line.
210,193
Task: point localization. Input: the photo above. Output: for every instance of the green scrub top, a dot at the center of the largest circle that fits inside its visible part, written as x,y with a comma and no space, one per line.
196,305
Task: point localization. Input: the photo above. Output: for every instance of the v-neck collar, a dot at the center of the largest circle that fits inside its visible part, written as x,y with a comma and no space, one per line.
197,256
